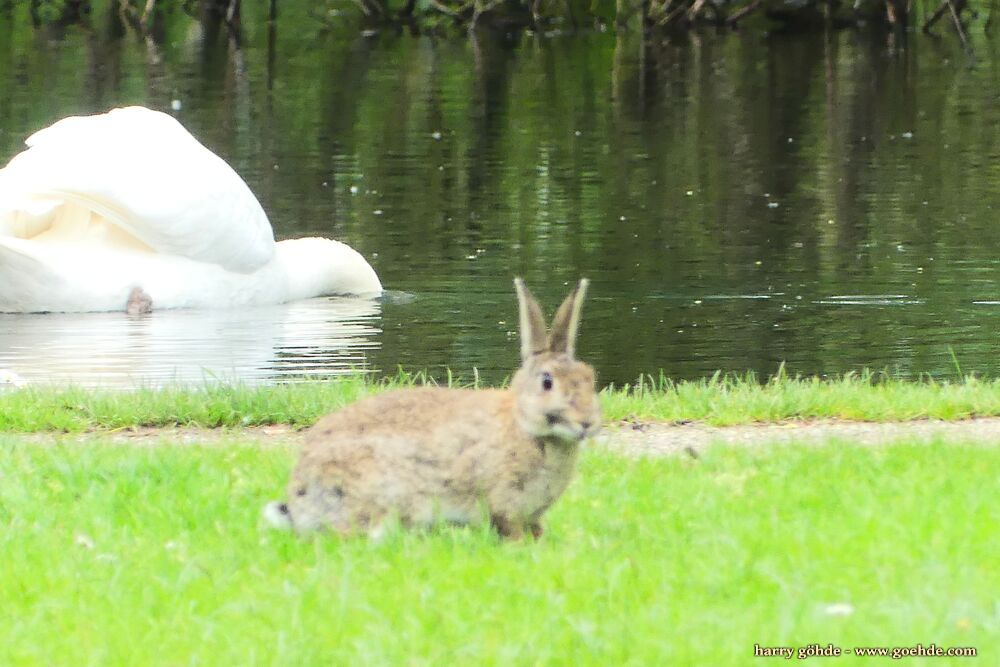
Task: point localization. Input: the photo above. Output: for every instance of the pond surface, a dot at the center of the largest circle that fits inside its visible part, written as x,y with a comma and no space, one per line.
829,201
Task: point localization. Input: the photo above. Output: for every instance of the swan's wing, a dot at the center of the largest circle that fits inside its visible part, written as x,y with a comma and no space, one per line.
143,171
22,278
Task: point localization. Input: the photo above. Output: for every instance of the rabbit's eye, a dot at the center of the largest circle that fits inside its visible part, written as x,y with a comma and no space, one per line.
546,381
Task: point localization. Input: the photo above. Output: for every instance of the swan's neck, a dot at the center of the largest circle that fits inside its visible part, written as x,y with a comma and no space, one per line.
320,267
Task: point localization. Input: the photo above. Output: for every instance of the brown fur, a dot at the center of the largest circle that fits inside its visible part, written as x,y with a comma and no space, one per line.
432,454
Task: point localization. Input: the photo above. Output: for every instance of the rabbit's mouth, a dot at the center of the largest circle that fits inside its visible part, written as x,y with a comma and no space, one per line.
565,429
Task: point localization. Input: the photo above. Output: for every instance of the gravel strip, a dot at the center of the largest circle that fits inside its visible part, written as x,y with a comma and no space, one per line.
629,438
276,435
643,438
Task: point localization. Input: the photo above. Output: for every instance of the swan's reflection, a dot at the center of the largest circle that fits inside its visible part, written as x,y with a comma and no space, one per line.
289,342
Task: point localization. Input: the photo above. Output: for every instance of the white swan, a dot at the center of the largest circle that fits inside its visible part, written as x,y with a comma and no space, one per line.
127,210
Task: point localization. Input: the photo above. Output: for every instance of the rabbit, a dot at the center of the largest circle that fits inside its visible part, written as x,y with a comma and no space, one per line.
419,456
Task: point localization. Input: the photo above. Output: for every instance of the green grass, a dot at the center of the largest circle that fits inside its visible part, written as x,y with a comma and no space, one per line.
123,555
719,400
865,396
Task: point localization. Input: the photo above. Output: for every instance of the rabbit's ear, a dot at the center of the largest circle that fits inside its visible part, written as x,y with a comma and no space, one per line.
567,321
533,336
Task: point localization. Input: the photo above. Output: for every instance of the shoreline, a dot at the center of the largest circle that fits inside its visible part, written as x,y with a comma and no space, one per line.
867,396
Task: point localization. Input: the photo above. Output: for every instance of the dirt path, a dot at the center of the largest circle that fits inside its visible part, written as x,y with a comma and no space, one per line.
631,438
664,439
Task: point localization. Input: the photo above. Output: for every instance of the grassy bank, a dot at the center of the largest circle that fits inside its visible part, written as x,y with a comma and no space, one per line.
121,555
733,400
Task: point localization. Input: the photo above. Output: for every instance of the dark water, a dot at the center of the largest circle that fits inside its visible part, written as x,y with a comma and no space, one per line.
829,201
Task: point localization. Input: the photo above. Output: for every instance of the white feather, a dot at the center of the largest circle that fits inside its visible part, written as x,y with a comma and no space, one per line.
10,379
275,516
101,204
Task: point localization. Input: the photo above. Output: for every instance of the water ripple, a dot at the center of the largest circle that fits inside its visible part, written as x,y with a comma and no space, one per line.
287,343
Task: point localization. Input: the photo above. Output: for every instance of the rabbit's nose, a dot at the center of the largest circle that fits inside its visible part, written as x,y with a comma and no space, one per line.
585,425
